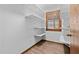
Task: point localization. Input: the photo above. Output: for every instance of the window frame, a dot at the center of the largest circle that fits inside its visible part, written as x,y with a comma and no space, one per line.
57,12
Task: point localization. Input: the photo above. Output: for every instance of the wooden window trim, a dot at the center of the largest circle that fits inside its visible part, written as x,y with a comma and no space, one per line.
60,24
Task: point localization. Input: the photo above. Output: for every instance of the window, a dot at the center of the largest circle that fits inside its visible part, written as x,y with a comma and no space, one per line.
53,21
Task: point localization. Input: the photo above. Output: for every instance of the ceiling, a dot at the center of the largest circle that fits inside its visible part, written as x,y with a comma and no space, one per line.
47,7
15,8
26,9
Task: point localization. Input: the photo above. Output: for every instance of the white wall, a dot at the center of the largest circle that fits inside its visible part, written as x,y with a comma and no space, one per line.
53,35
56,36
16,31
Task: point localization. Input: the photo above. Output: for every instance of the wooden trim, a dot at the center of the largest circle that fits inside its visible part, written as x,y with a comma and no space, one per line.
60,23
53,29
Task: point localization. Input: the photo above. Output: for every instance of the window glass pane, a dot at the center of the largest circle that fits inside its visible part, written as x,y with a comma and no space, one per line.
50,24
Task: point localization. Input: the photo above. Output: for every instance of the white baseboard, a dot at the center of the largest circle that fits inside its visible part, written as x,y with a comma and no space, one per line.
56,41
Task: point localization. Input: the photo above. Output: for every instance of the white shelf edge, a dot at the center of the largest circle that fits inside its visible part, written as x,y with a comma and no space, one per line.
41,35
